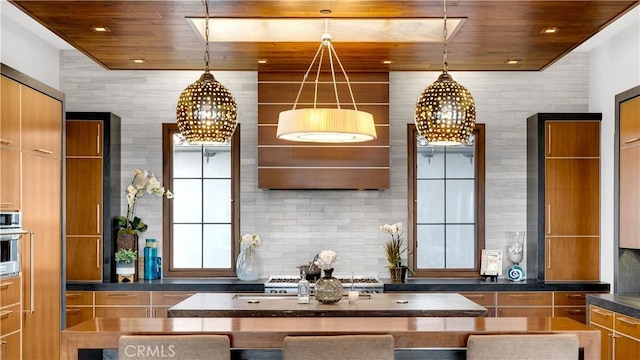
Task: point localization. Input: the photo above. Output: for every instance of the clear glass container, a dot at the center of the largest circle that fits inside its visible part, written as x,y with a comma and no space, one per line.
247,265
328,289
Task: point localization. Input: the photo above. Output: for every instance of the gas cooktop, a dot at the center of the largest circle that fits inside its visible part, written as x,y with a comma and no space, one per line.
289,283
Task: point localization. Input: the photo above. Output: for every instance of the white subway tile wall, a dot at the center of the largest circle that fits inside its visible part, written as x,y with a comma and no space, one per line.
297,224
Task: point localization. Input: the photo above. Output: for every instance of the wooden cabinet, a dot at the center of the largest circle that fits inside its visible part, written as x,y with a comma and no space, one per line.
486,299
10,113
123,304
571,304
563,187
629,155
41,123
622,334
524,304
10,348
9,179
10,318
79,307
92,194
161,301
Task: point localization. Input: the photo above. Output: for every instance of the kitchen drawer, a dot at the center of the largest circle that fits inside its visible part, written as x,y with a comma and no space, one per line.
525,299
601,316
10,347
481,298
79,297
10,319
76,315
577,313
9,291
525,311
160,312
569,298
122,312
627,325
159,298
122,298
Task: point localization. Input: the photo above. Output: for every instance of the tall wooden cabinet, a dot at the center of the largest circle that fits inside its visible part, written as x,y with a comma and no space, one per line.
92,194
36,111
563,197
629,198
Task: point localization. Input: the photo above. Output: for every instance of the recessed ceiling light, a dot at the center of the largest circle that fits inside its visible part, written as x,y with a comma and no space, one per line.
139,61
100,29
549,30
512,61
386,62
263,61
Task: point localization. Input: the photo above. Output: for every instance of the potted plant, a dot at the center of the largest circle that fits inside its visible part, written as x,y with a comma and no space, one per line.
394,249
125,264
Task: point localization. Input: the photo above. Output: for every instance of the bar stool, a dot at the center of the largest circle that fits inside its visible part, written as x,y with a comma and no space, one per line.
174,347
352,347
523,347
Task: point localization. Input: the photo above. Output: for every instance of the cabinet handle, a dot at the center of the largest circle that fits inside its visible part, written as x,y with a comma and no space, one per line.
5,285
600,312
5,204
32,274
72,310
97,253
627,321
98,219
525,296
176,295
154,313
549,140
576,311
549,219
4,314
147,313
548,253
5,141
44,151
122,295
576,296
72,296
632,140
98,141
474,296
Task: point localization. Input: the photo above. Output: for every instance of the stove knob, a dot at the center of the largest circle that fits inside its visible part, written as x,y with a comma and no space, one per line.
273,291
283,291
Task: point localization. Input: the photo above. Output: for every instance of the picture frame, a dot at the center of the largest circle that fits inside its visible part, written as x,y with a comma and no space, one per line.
491,263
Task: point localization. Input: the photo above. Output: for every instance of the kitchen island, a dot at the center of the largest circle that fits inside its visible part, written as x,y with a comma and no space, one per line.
286,305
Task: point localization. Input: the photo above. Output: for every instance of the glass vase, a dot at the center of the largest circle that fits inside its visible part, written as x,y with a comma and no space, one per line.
328,289
247,265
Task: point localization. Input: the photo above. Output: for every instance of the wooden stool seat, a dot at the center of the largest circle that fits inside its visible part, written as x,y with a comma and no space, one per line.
174,347
352,347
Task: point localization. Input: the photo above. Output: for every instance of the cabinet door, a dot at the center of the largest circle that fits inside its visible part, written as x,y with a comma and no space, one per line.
9,179
629,196
84,138
10,113
626,348
76,315
572,188
525,311
9,291
84,197
572,138
41,209
606,342
10,347
41,123
630,122
572,258
122,312
84,258
577,313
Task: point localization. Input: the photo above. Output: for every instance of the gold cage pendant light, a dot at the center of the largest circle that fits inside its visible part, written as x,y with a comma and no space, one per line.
445,112
326,125
206,111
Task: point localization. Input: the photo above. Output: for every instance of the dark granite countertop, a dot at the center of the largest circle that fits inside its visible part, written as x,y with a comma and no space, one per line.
628,305
412,284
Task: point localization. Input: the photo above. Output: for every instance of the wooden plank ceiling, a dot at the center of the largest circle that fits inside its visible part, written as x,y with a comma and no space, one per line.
492,33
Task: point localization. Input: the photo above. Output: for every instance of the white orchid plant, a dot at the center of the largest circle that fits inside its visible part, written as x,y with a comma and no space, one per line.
141,183
325,259
249,242
394,247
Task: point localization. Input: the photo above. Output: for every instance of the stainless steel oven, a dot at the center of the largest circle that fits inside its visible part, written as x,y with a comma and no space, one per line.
10,233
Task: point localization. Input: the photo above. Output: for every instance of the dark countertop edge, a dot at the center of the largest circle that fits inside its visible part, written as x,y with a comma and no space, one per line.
414,285
628,305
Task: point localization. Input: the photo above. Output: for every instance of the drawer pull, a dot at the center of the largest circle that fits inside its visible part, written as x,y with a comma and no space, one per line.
5,285
176,295
525,296
632,140
5,141
600,312
73,296
122,295
627,321
576,311
576,296
73,310
44,151
4,314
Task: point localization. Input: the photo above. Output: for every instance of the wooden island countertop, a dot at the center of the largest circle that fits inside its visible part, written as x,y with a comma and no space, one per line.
286,305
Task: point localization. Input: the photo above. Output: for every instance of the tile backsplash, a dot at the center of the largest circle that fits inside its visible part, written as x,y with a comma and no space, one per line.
296,224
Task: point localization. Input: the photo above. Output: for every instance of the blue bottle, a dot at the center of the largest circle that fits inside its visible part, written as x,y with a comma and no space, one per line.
150,260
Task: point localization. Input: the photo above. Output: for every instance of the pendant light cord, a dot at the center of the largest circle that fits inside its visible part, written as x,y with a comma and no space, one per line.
206,36
445,66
